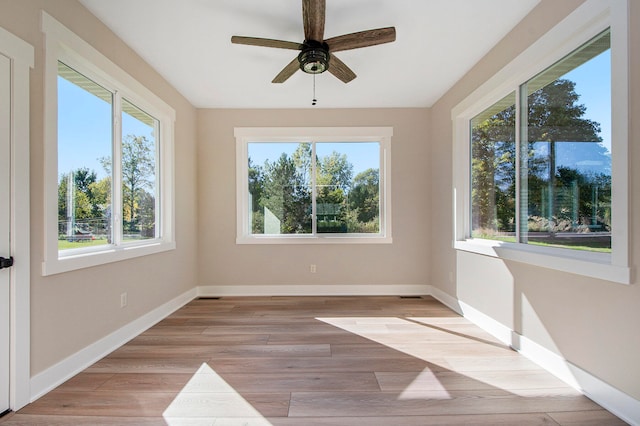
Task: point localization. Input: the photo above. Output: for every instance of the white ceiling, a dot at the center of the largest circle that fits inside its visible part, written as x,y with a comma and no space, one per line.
189,43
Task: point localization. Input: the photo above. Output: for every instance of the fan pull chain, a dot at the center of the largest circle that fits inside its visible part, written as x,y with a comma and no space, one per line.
314,101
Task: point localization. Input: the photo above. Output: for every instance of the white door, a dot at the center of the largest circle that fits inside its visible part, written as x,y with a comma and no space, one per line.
5,217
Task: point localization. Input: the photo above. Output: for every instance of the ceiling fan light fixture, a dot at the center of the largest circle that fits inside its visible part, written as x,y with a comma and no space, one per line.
314,57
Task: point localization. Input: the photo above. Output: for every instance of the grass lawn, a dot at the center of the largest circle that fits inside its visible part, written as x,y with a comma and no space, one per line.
64,244
511,239
573,247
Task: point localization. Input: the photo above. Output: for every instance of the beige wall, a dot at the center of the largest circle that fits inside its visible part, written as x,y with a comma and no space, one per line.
591,323
72,310
222,262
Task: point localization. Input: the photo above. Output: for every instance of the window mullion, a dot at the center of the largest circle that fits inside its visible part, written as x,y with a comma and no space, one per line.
314,216
159,184
522,167
116,205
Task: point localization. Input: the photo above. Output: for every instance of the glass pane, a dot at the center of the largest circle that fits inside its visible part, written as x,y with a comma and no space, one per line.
84,161
493,171
348,187
140,194
566,179
280,188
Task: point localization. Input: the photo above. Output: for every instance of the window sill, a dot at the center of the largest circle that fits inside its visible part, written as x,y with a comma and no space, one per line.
594,265
85,259
314,239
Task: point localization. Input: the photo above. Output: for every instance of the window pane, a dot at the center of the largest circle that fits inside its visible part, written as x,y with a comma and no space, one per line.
348,187
566,184
493,171
84,161
139,174
280,188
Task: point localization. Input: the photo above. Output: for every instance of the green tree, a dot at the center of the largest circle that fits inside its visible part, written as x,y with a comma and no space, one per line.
256,190
333,181
334,170
147,215
138,175
80,191
286,196
554,115
302,160
364,197
493,171
83,178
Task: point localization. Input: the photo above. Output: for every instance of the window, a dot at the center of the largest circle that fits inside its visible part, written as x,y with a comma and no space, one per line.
302,185
493,171
546,157
108,170
565,151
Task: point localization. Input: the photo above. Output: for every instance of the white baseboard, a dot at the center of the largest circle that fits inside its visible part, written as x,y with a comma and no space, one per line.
612,399
54,376
314,290
444,298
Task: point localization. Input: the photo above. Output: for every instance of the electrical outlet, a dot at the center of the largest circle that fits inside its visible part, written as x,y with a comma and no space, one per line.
312,268
123,300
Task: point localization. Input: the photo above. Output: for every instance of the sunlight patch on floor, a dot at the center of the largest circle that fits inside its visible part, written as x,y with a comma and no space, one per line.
207,399
425,386
458,352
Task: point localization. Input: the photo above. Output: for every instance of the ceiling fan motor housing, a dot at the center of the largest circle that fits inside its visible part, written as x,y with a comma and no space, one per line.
314,57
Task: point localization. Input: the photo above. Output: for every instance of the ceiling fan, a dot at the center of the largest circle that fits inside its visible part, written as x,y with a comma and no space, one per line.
316,54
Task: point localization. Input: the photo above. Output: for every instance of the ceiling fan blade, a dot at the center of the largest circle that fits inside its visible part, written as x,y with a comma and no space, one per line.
313,12
340,70
287,71
362,39
266,42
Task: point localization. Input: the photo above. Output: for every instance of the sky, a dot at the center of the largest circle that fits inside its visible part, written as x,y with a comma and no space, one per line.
84,129
363,155
84,124
593,83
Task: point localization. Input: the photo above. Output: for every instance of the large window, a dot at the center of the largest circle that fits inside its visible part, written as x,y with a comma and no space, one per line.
546,159
296,185
86,198
565,151
564,186
108,170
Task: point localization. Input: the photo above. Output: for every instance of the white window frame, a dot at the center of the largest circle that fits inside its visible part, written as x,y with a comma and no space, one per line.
587,21
246,135
63,45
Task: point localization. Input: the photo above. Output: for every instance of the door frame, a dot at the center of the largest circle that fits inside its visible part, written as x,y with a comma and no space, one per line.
21,55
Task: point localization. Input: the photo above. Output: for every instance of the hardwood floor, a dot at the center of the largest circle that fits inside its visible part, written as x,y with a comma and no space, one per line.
308,361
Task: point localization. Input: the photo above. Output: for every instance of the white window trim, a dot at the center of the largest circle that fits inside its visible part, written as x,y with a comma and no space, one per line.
245,135
63,44
587,21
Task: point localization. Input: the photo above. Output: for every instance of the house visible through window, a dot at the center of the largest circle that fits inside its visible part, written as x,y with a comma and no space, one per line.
315,187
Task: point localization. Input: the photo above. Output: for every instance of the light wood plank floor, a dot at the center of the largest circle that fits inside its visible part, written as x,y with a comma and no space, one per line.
308,361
